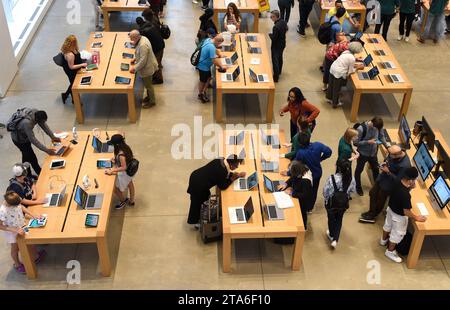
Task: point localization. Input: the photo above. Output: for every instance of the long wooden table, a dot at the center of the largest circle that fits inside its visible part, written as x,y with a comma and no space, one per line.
426,11
65,224
259,227
438,221
351,7
103,78
244,6
119,6
244,84
382,83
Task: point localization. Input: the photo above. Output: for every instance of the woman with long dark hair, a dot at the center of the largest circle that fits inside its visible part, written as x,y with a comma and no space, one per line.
346,183
123,155
72,63
232,17
298,106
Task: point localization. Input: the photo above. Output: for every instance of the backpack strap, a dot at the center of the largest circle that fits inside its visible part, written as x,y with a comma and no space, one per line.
336,189
14,181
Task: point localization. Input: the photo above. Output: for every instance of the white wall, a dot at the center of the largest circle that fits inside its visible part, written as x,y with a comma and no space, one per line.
8,62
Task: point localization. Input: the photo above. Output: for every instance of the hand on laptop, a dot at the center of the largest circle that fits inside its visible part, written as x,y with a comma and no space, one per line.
51,152
133,61
42,200
359,66
241,174
56,139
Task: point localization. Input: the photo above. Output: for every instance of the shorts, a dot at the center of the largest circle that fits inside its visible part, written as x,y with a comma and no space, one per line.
204,75
122,181
396,225
10,237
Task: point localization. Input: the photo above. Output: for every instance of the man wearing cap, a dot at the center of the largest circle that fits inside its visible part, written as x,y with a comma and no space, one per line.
398,212
23,136
24,186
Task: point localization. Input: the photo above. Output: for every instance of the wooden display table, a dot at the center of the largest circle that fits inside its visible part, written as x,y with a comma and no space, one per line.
244,6
119,6
351,6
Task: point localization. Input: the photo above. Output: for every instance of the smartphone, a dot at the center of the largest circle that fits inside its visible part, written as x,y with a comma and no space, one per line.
124,67
59,163
104,163
127,55
86,80
122,80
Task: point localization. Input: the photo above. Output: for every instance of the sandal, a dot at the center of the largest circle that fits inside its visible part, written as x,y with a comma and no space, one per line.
20,269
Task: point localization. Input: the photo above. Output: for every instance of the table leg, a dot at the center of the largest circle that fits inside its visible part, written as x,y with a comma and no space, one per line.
76,97
256,22
103,255
219,106
131,106
405,104
424,21
414,251
362,20
270,102
27,259
106,26
298,250
226,253
355,105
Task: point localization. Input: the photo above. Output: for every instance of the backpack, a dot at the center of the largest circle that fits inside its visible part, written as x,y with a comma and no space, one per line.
364,126
324,33
132,167
165,31
59,59
15,119
195,57
339,201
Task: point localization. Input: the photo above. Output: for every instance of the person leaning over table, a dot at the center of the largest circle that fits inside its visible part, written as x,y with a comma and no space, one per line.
24,185
340,70
407,14
387,11
72,63
145,64
218,172
398,213
338,4
303,126
332,53
435,26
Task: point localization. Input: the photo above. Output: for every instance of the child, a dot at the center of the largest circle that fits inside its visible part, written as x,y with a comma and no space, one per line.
12,220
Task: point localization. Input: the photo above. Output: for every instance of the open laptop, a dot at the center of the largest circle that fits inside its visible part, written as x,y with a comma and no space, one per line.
246,184
368,60
369,75
272,212
241,215
86,201
236,140
54,199
230,61
62,150
253,50
270,139
272,186
101,147
259,78
230,77
388,65
242,154
268,166
396,78
379,52
251,38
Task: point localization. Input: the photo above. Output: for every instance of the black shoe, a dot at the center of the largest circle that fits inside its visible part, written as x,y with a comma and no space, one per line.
156,82
367,219
360,191
203,98
64,97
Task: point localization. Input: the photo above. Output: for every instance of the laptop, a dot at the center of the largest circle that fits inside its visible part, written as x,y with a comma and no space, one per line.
272,212
368,60
62,150
373,40
241,215
386,135
101,147
246,184
380,53
270,139
253,50
242,154
272,186
54,199
370,75
86,201
268,166
236,140
259,78
388,65
396,78
230,61
230,77
251,38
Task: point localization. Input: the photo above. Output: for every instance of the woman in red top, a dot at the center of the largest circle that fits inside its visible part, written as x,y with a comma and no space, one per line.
332,53
298,106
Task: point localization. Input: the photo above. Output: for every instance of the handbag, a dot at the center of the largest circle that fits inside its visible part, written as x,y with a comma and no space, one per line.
59,59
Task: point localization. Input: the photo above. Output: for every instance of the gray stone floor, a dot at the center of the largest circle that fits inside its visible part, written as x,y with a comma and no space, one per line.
151,245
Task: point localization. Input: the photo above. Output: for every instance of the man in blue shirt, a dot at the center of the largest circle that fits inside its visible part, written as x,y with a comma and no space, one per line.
312,154
336,26
209,55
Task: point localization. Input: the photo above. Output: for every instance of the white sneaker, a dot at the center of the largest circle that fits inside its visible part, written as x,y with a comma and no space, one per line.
194,1
393,256
340,104
400,38
406,39
328,235
334,244
329,100
383,242
196,226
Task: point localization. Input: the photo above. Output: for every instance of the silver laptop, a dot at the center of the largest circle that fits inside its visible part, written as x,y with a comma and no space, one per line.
370,75
253,50
55,199
269,166
236,140
259,78
251,38
272,140
272,186
380,52
230,61
230,77
101,147
246,184
242,154
241,215
388,65
62,150
272,212
87,201
396,78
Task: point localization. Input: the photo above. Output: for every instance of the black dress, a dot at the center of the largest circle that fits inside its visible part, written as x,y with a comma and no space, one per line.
71,74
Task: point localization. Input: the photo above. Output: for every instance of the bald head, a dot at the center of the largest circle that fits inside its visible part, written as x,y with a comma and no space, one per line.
218,40
396,152
135,36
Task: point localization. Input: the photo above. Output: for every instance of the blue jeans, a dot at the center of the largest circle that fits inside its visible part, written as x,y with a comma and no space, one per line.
435,27
335,223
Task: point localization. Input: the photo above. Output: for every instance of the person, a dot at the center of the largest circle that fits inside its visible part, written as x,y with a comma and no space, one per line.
153,34
155,6
407,14
12,220
23,136
98,12
205,4
206,21
285,9
150,17
210,55
72,63
232,17
340,70
24,185
387,12
398,213
435,26
338,4
218,172
304,8
345,148
299,185
303,126
391,171
278,37
336,27
332,53
370,133
344,182
145,64
299,107
312,154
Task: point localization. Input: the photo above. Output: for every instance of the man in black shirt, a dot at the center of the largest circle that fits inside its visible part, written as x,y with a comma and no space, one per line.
216,173
278,37
398,212
24,186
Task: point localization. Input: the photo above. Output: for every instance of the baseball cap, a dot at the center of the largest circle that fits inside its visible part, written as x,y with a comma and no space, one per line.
116,139
20,169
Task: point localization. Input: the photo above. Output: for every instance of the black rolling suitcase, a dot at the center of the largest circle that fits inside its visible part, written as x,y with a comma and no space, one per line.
211,220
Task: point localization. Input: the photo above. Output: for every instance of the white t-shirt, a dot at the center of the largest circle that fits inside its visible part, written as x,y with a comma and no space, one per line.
343,66
12,216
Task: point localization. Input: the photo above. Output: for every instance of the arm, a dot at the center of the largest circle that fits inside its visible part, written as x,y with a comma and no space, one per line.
303,189
18,231
123,166
284,109
311,108
142,61
27,212
70,58
417,218
382,138
275,34
359,141
48,131
326,152
30,135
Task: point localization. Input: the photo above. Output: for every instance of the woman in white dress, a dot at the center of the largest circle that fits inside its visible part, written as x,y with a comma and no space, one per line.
232,17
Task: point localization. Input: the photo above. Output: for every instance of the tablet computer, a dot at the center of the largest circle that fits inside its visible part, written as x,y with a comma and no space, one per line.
129,45
86,80
124,67
57,164
92,219
127,55
104,163
122,80
98,35
35,223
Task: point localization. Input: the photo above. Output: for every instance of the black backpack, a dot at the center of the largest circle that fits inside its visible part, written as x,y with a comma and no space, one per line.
15,119
132,167
165,31
339,201
324,33
364,127
195,57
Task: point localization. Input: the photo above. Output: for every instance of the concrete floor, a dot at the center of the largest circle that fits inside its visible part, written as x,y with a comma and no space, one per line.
151,245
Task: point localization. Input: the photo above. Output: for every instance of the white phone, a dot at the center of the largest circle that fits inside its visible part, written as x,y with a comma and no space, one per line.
57,164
